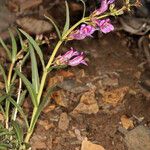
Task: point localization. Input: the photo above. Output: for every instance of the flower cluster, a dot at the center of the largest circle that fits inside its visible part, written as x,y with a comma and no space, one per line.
83,32
103,25
70,58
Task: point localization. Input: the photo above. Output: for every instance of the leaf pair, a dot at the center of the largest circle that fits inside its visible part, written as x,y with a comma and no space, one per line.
33,87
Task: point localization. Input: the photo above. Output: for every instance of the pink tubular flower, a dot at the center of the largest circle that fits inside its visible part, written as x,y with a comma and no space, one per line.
104,7
77,60
105,25
71,58
63,59
82,33
87,30
68,55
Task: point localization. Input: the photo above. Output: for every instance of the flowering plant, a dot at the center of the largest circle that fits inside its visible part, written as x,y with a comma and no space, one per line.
12,135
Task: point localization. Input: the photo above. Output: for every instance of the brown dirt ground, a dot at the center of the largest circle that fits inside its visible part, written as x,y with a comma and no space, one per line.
105,54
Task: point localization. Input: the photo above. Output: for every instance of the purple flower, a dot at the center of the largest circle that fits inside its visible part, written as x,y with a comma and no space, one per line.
104,7
105,25
77,60
68,55
87,30
82,33
71,58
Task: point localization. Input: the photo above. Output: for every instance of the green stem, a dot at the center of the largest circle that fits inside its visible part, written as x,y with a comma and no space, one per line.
31,127
9,76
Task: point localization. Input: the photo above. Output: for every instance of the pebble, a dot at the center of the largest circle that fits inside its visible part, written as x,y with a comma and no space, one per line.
63,122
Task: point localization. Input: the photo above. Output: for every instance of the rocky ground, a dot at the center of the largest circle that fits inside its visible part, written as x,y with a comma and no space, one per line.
102,102
95,107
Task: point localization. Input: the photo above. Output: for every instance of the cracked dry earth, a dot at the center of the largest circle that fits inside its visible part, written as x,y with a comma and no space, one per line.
102,102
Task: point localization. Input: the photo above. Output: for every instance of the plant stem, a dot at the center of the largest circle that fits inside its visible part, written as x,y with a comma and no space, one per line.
9,76
14,115
31,127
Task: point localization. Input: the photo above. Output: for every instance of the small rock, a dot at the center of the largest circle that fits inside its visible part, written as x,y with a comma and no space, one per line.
49,143
71,134
34,25
73,86
49,108
54,81
114,97
126,122
87,105
38,142
66,74
45,124
137,75
60,98
138,138
109,79
80,75
87,145
63,122
78,135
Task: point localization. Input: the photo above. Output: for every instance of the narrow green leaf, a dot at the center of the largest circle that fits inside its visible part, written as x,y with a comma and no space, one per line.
28,86
1,125
35,45
6,48
18,131
22,63
25,58
4,75
45,101
14,46
84,8
20,38
2,98
19,110
7,109
22,97
55,26
35,73
67,24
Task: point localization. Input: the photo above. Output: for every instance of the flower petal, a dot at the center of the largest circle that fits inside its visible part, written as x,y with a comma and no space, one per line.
82,33
77,60
105,25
